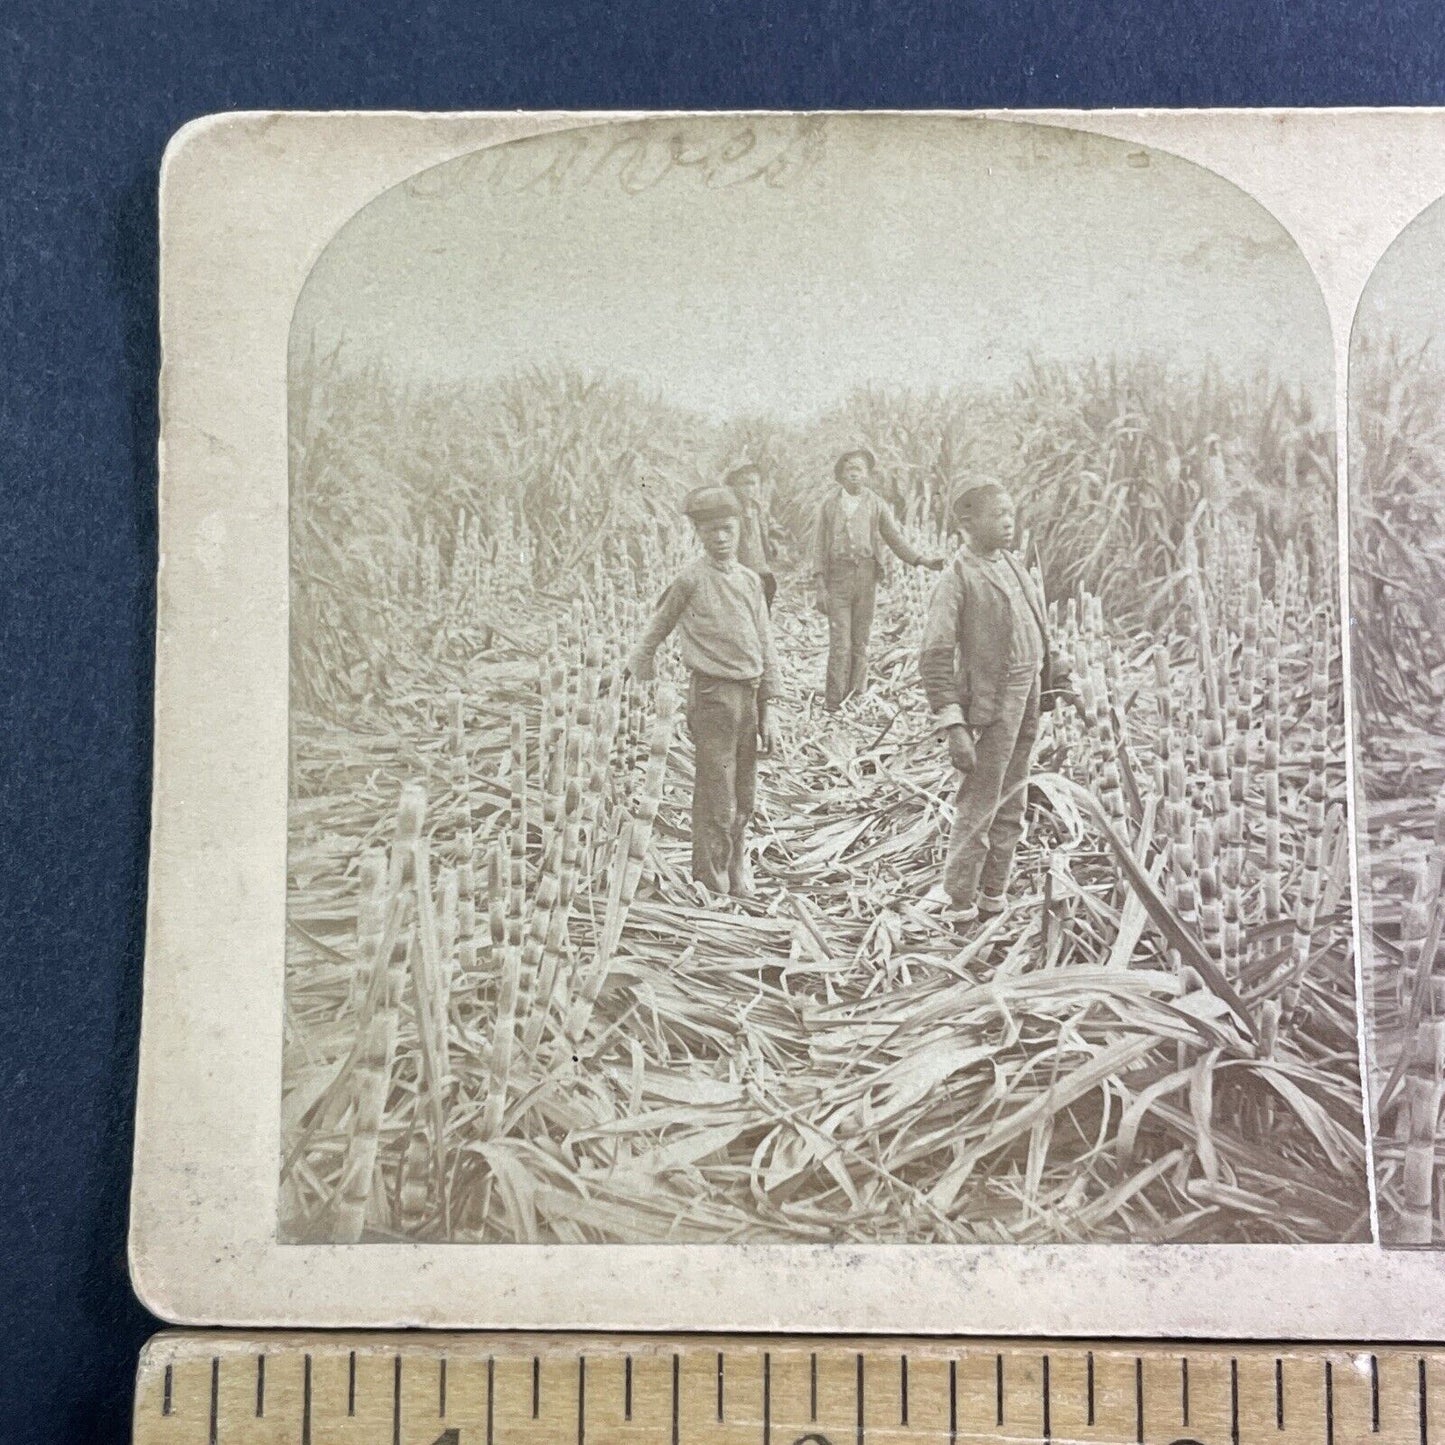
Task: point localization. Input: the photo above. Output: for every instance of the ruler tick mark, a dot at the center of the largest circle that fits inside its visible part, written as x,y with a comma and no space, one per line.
1329,1403
536,1386
1374,1394
351,1384
260,1386
676,1393
767,1399
1183,1392
166,1393
998,1389
1048,1411
216,1396
581,1400
1139,1400
1424,1403
1089,1384
719,1384
1234,1401
860,1398
812,1389
902,1389
442,1388
491,1393
1278,1394
396,1402
953,1402
627,1388
305,1400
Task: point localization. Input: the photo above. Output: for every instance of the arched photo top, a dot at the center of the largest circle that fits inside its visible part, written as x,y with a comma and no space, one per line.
773,264
1404,297
1397,478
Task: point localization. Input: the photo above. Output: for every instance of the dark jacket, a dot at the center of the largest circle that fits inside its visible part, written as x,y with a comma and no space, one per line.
964,658
883,530
755,547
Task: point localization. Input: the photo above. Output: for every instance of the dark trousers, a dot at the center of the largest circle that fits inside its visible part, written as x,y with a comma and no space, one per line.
988,816
852,592
722,717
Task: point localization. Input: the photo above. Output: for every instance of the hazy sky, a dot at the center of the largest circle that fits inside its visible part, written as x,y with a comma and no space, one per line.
1406,291
904,251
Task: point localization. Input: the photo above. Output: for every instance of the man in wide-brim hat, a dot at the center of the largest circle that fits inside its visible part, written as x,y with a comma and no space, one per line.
854,527
718,609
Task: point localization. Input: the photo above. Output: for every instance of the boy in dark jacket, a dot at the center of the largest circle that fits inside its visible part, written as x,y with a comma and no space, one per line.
985,665
717,607
755,550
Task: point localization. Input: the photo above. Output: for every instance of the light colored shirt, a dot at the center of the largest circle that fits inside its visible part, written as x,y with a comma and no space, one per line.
722,625
857,539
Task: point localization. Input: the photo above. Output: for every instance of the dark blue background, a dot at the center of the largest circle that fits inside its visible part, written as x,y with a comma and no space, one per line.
89,94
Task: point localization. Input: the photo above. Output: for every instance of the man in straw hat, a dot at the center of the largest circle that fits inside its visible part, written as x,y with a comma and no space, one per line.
853,525
754,548
717,607
985,665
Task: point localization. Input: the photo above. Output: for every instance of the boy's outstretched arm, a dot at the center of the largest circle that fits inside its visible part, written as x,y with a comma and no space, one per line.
893,534
640,661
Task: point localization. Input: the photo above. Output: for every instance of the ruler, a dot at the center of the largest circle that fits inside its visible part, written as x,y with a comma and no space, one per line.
232,1388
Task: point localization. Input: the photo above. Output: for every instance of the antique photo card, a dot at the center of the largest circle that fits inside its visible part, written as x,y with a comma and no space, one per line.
753,728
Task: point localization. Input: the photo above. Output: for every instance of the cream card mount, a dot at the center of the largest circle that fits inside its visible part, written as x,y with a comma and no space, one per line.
755,727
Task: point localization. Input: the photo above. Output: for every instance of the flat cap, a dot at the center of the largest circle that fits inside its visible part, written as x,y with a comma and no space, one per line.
707,504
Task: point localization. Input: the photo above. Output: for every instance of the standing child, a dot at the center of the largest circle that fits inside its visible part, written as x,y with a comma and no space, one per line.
755,550
854,525
985,666
718,609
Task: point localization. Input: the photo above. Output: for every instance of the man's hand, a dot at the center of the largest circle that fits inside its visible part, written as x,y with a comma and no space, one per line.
960,749
767,736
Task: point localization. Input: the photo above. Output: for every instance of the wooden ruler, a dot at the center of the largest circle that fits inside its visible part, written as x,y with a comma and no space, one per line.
230,1388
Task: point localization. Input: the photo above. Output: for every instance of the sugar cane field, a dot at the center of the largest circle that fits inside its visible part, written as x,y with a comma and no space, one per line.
512,1016
1397,582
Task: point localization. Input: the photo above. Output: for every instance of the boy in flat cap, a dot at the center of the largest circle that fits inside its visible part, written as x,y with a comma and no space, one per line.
986,669
717,607
853,525
754,549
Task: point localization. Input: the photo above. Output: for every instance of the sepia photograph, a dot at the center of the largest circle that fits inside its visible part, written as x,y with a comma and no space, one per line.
1397,599
816,707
